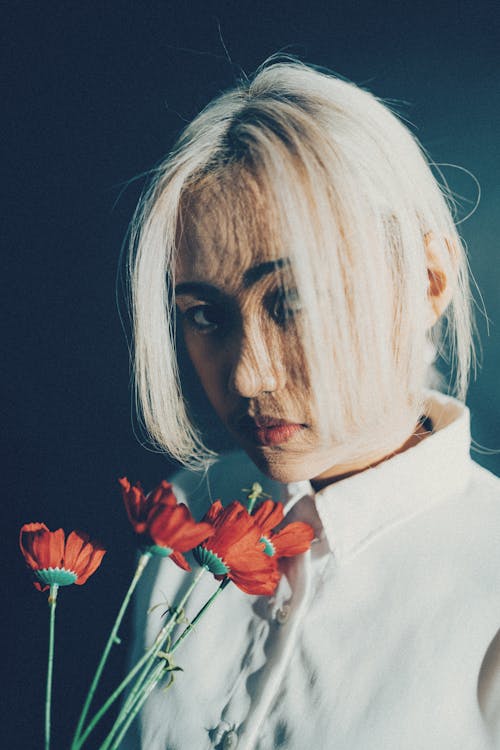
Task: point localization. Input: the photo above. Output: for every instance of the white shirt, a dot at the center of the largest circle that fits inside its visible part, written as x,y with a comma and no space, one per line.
382,637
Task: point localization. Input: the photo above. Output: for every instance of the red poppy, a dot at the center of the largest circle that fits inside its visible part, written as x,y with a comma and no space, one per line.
235,550
165,526
56,560
291,540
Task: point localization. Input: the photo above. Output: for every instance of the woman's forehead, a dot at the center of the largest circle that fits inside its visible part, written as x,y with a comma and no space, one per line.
218,244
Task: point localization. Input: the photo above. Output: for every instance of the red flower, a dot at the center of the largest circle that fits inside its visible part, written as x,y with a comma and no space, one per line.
139,506
235,550
291,540
56,560
165,526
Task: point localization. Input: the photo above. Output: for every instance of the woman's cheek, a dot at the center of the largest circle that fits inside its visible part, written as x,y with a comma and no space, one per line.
206,362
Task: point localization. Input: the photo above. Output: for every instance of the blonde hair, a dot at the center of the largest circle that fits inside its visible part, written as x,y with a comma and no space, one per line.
349,193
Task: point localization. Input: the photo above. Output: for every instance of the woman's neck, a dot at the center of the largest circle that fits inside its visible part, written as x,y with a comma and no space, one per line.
337,473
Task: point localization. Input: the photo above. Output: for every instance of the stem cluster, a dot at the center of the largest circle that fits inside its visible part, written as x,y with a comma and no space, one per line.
155,664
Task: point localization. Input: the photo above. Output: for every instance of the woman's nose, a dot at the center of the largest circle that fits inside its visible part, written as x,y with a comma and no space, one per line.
257,367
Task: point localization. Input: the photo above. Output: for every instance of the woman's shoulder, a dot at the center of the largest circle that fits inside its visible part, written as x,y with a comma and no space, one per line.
472,522
482,499
489,482
483,521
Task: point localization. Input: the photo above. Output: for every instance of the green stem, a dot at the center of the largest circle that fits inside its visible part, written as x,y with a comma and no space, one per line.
144,663
151,674
141,565
165,633
136,688
50,664
141,684
77,744
134,710
140,693
200,614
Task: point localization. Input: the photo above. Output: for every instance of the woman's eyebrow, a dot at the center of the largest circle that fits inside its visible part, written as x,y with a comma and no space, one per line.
250,277
253,275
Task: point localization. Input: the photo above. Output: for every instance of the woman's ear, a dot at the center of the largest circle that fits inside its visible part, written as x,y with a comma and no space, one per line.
441,259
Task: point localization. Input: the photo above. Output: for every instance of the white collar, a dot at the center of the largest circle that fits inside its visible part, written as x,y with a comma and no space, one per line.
354,510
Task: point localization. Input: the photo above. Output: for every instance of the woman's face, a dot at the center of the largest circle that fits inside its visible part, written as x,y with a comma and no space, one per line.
240,331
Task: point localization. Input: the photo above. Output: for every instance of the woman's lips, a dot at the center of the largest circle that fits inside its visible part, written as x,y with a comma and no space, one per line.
269,431
275,435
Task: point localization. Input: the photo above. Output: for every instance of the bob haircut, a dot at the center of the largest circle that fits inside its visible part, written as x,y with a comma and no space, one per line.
339,185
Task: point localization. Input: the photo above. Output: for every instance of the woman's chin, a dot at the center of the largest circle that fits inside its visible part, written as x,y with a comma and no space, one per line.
280,465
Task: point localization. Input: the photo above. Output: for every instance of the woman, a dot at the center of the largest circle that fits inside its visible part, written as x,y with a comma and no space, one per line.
313,270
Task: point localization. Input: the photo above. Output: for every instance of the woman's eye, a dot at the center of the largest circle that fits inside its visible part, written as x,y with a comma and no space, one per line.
205,318
285,306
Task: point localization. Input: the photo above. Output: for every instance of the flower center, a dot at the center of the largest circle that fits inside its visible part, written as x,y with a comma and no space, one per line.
210,560
59,576
268,546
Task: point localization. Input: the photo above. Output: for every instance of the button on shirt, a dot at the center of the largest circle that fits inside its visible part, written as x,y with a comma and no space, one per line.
384,636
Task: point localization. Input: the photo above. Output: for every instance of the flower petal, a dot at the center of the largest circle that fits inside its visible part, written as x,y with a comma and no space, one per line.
48,548
213,513
263,584
292,539
135,504
83,556
180,560
243,549
39,586
92,566
26,536
175,527
74,556
232,527
163,494
268,515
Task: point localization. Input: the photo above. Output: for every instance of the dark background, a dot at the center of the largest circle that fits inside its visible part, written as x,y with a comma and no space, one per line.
94,94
